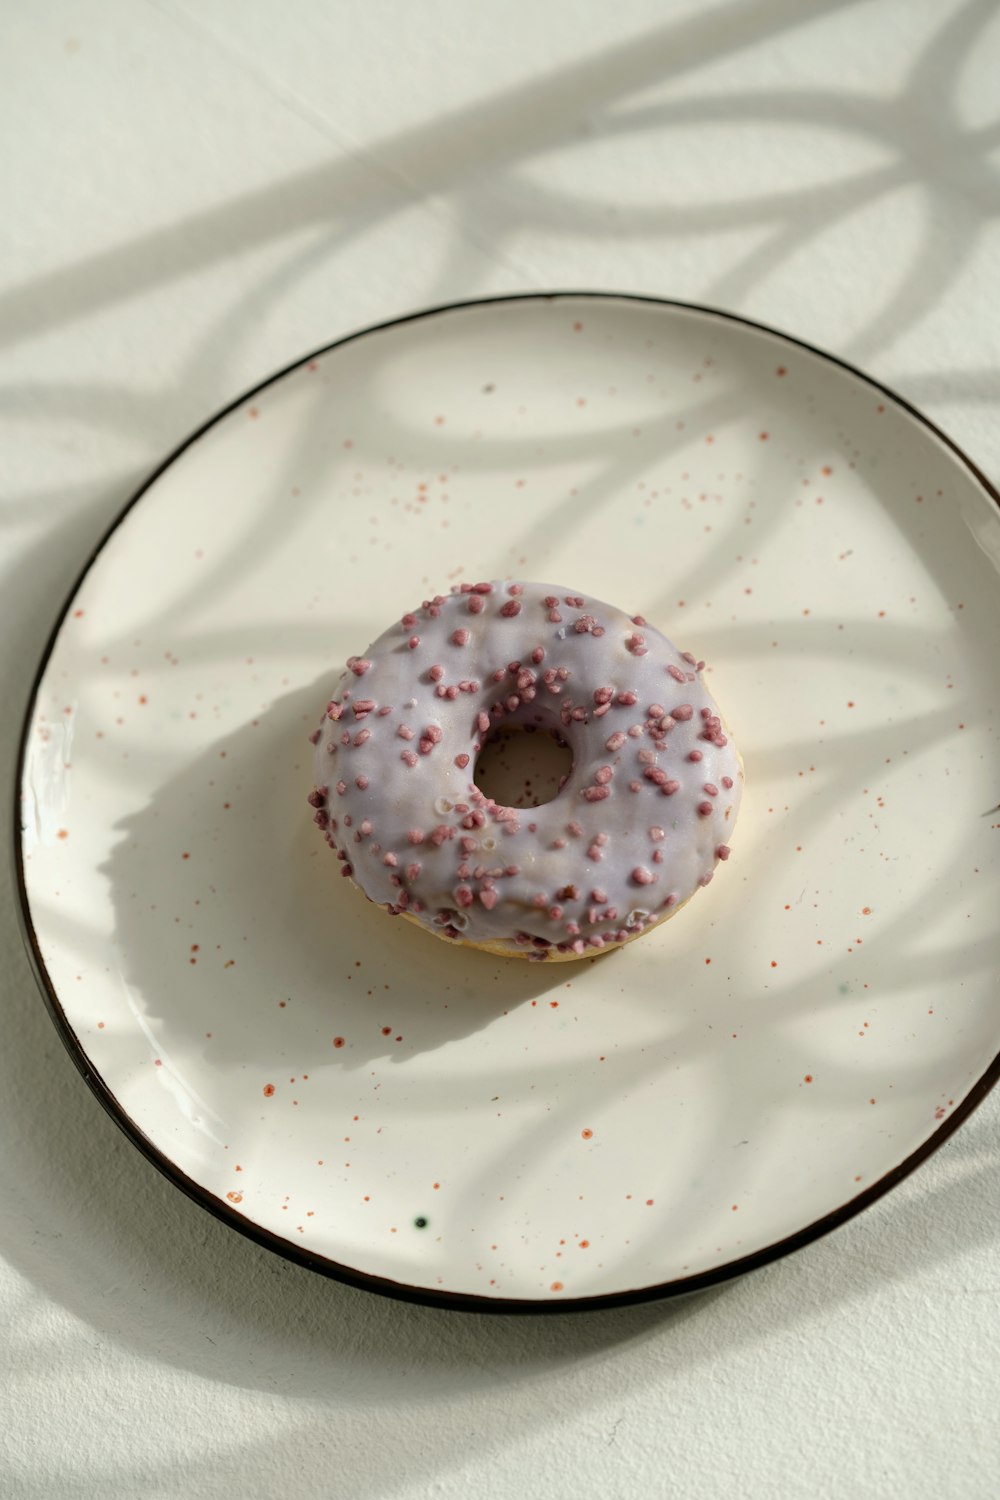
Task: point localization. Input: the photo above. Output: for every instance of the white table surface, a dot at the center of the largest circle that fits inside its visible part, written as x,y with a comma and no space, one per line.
195,192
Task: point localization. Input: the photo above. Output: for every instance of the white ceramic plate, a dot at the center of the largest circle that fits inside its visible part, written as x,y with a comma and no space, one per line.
480,1132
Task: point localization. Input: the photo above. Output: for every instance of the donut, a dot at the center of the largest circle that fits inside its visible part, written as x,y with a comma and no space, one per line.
637,827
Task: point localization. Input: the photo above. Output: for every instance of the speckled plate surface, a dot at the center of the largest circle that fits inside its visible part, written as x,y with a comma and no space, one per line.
485,1132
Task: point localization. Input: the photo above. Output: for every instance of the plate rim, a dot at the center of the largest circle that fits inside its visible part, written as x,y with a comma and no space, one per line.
268,1239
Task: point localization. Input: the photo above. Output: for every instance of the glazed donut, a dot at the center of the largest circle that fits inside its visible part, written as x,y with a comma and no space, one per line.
637,826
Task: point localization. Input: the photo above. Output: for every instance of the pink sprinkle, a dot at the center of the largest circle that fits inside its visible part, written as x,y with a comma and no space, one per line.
670,787
695,755
514,589
432,733
362,706
409,621
596,793
461,761
705,809
435,673
404,732
599,895
574,830
683,713
361,782
390,860
555,617
362,737
334,711
385,709
476,604
670,901
727,782
488,897
482,588
415,836
657,856
538,655
412,871
723,852
636,644
616,741
604,775
510,609
463,895
642,876
409,757
635,786
574,601
628,698
341,788
314,737
676,673
711,789
413,642
460,637
706,879
656,834
358,665
512,702
638,620
647,757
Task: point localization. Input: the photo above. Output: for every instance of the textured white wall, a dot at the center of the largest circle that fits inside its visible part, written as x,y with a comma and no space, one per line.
197,191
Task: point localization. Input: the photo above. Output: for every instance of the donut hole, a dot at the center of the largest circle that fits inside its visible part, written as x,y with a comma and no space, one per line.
523,765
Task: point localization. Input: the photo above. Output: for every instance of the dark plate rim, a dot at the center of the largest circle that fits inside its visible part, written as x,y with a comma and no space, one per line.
428,1296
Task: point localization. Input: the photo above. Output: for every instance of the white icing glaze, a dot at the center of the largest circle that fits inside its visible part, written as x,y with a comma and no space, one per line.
638,826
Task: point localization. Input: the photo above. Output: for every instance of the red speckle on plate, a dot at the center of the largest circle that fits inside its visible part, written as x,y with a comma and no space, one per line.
268,1090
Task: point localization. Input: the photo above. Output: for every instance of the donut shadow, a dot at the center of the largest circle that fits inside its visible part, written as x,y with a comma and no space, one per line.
241,944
